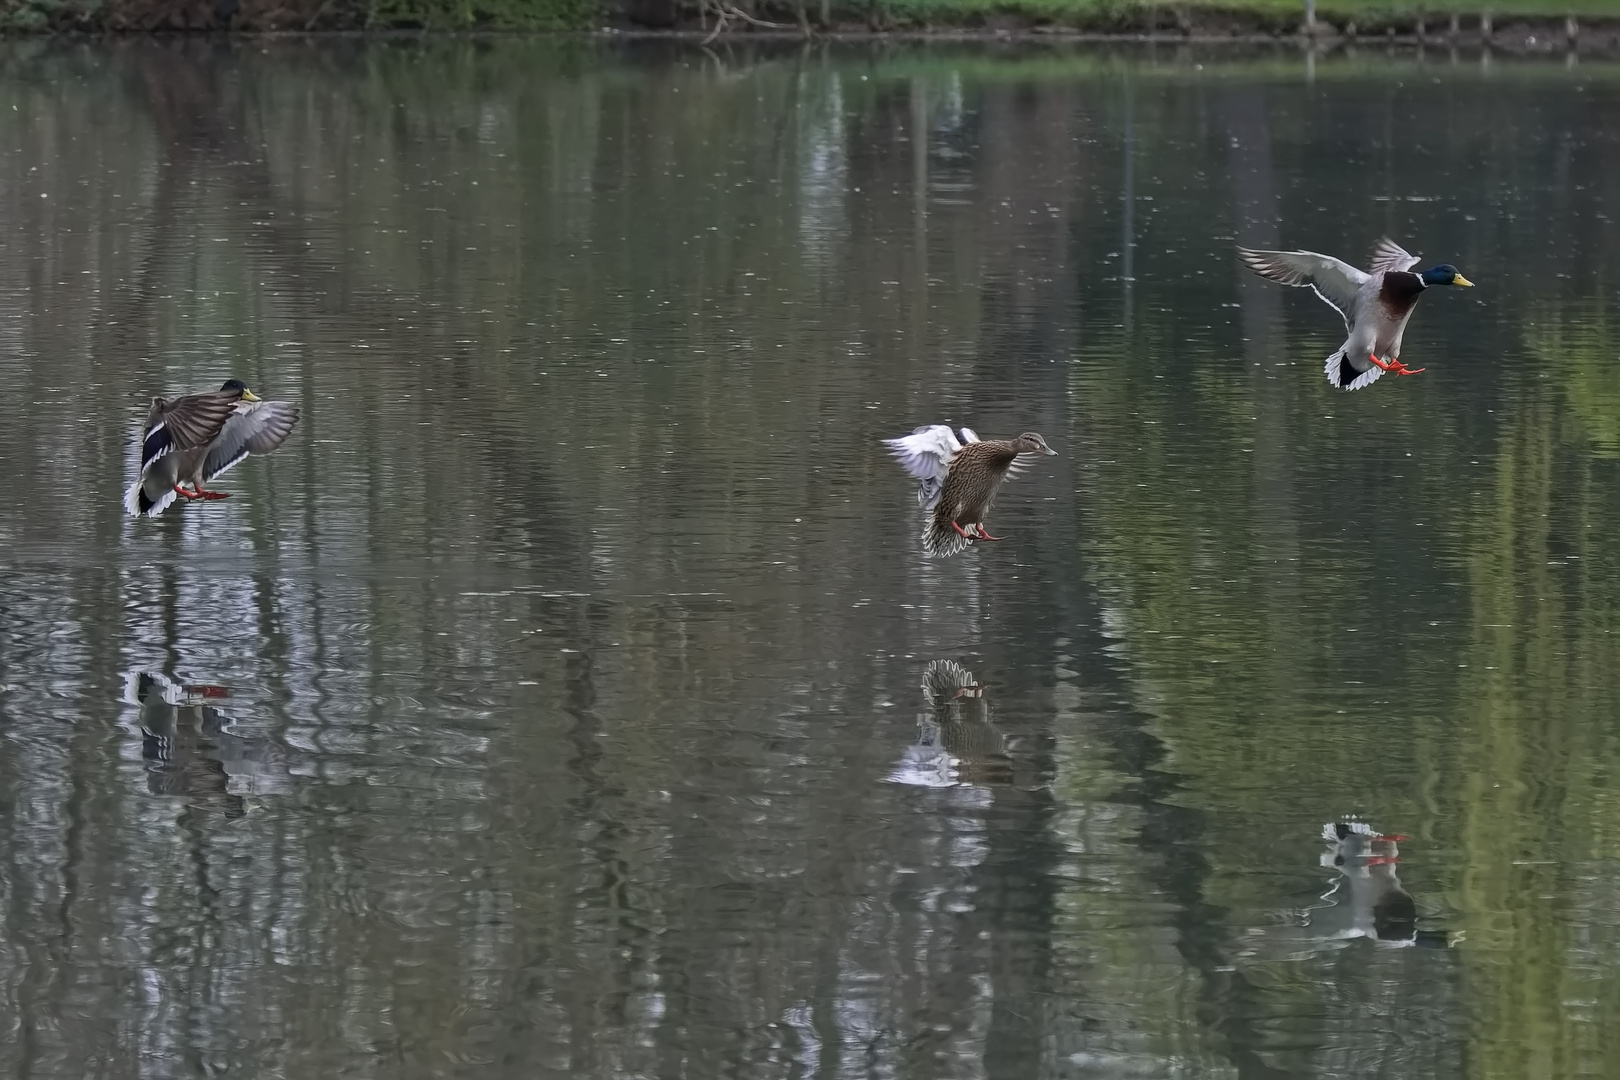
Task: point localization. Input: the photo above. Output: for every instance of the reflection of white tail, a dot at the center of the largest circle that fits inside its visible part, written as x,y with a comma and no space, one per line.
944,681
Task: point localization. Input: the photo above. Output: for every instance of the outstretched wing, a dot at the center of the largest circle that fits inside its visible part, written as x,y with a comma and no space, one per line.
185,423
1334,280
1388,255
926,451
1020,463
926,454
256,427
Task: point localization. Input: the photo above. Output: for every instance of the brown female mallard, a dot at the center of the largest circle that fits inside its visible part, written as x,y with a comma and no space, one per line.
974,474
194,438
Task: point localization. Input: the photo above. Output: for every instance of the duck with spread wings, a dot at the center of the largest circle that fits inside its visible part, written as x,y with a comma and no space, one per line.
195,438
1375,304
957,480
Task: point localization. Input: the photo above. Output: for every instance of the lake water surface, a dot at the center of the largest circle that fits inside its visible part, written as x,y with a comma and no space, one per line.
553,703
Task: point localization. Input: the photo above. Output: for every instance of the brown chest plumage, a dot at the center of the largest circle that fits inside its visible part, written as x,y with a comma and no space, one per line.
1399,293
976,471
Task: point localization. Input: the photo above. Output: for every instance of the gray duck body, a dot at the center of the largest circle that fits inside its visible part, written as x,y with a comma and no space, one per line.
1375,304
195,438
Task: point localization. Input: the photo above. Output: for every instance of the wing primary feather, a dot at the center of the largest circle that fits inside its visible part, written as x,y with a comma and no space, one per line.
254,428
1335,281
1388,255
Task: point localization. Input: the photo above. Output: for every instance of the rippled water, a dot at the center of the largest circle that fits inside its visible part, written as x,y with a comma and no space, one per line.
554,702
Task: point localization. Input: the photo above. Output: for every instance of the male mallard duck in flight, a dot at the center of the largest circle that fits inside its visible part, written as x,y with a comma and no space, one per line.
197,437
1375,305
959,486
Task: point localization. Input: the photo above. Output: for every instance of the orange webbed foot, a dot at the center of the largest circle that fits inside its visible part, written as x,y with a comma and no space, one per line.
1394,367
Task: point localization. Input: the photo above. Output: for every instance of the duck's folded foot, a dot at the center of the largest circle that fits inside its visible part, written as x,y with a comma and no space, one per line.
1394,367
984,533
199,493
178,490
963,535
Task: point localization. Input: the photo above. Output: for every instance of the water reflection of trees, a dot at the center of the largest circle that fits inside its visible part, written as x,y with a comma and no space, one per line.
519,324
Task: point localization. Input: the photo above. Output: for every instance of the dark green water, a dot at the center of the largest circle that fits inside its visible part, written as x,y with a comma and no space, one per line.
569,715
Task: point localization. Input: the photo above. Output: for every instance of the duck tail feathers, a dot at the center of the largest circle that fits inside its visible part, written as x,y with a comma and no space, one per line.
137,503
1343,374
939,540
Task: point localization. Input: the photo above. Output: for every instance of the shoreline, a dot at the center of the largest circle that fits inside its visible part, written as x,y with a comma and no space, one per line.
1522,35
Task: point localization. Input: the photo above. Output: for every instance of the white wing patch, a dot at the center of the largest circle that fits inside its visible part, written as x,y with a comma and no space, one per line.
926,454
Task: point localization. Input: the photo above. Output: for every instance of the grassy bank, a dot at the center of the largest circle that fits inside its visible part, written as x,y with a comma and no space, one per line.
1513,24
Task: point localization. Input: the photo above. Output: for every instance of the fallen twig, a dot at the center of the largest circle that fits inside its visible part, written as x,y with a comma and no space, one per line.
724,12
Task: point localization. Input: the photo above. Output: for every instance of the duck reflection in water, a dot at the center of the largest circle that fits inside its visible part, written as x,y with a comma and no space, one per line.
189,749
956,741
1367,901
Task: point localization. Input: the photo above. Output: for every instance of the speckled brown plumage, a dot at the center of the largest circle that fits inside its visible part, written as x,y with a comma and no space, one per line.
976,473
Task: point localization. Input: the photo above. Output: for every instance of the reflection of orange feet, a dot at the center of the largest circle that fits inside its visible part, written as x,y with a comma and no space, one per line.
1382,860
984,533
1394,367
1392,838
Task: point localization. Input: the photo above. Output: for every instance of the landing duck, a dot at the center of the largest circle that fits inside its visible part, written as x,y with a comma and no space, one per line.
972,477
196,438
1374,304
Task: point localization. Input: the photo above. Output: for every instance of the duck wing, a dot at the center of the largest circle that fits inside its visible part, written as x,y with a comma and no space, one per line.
1334,280
1388,255
926,454
256,427
185,423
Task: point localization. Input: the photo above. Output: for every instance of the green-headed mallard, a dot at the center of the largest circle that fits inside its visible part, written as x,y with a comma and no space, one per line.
195,438
972,476
1375,305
